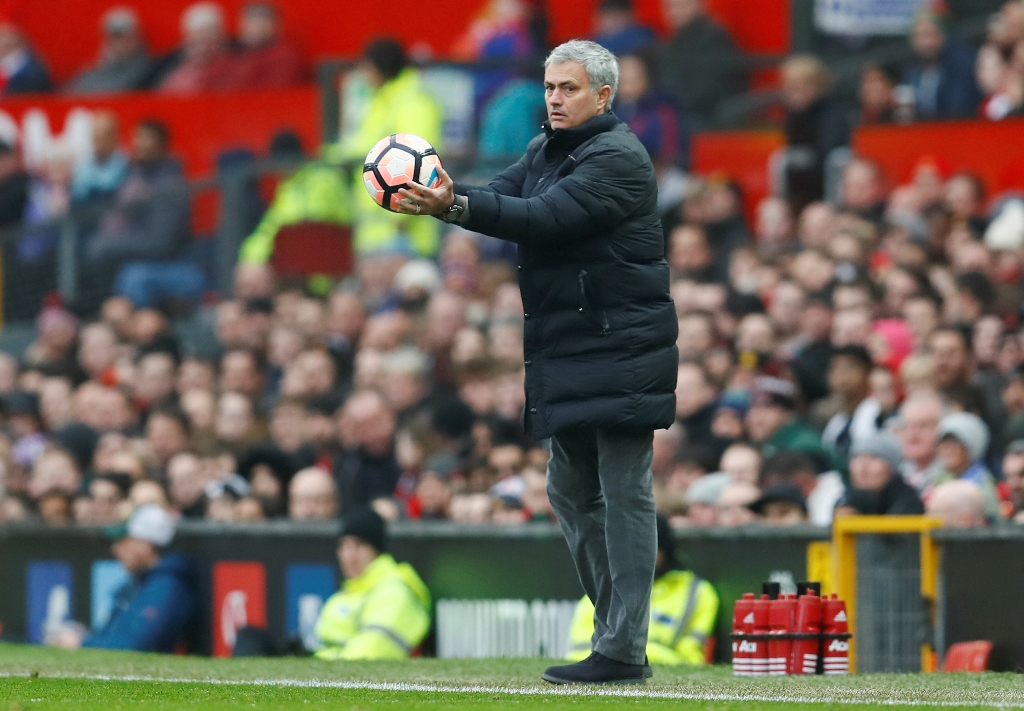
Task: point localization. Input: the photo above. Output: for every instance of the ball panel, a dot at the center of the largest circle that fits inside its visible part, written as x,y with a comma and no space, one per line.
394,162
428,171
414,142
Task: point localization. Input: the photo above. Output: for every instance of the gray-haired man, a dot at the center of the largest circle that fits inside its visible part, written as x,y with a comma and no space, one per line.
599,337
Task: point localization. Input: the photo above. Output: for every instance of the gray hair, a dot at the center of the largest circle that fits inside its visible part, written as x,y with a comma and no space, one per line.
601,65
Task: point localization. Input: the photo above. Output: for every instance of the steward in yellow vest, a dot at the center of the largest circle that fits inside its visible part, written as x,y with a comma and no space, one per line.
383,608
683,612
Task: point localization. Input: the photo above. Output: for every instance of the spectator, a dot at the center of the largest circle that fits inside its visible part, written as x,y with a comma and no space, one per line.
699,64
399,104
312,496
733,505
814,127
206,63
311,193
772,422
960,504
1000,86
265,60
651,114
97,179
1013,481
953,373
963,441
695,406
876,485
365,467
742,462
858,418
942,69
383,609
155,610
21,72
617,29
147,228
123,64
877,95
781,505
702,498
820,490
186,482
14,183
917,429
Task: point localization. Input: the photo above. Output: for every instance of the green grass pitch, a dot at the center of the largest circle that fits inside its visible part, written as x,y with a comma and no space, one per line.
39,678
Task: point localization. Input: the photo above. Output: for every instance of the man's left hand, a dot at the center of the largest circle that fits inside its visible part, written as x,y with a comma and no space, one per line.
421,200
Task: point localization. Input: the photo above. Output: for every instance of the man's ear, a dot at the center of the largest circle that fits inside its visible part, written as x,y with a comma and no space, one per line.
604,95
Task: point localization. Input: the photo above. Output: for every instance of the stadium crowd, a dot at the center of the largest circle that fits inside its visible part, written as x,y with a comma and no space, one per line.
859,355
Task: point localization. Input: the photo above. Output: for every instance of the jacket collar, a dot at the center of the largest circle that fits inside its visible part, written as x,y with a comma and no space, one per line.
570,138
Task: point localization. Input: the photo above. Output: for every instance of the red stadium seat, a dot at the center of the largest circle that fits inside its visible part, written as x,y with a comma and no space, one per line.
967,656
309,248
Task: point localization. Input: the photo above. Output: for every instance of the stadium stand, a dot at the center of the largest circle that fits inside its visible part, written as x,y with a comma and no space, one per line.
818,205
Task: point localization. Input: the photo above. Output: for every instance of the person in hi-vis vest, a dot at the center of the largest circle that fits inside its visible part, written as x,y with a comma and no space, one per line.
684,608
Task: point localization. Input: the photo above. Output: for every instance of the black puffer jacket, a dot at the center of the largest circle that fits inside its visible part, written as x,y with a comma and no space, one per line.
600,326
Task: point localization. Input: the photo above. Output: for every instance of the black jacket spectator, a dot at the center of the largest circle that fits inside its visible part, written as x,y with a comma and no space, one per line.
600,324
897,498
701,66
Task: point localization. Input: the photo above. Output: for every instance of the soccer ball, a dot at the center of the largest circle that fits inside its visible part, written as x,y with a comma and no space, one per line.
396,161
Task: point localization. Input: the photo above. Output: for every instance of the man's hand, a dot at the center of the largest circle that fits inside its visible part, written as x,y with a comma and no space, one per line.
421,200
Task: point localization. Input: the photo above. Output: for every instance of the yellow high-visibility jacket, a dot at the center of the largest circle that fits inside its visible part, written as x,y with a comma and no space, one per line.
315,193
683,612
401,105
382,614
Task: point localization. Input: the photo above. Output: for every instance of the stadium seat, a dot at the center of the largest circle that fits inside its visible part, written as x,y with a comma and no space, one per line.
967,657
309,248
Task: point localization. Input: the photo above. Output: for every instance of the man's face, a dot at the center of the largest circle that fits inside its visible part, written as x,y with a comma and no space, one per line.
692,391
763,421
926,39
148,145
136,556
680,13
783,513
917,431
847,377
954,456
869,472
354,555
950,358
1013,473
570,99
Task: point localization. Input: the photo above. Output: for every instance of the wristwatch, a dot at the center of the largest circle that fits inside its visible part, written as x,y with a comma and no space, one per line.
457,209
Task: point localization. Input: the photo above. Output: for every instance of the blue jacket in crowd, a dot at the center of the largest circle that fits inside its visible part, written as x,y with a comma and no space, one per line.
154,611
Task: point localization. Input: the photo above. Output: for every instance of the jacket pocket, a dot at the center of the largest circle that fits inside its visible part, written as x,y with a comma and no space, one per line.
589,306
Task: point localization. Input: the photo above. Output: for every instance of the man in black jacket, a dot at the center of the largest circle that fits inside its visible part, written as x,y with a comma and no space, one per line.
599,336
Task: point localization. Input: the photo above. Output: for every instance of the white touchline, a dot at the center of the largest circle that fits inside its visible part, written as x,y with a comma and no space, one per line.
641,693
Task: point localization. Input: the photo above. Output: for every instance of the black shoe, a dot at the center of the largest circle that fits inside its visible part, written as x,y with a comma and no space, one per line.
597,669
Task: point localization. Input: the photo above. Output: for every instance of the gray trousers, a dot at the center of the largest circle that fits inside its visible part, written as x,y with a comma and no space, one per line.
600,487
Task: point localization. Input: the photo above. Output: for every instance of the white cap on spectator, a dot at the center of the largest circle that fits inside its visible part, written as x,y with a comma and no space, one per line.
708,488
151,523
1006,231
419,273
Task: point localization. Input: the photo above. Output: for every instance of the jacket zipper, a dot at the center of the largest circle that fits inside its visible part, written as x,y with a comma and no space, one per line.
601,316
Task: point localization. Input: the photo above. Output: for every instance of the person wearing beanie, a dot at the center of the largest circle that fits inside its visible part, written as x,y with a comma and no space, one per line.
684,608
877,487
383,608
963,442
156,608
